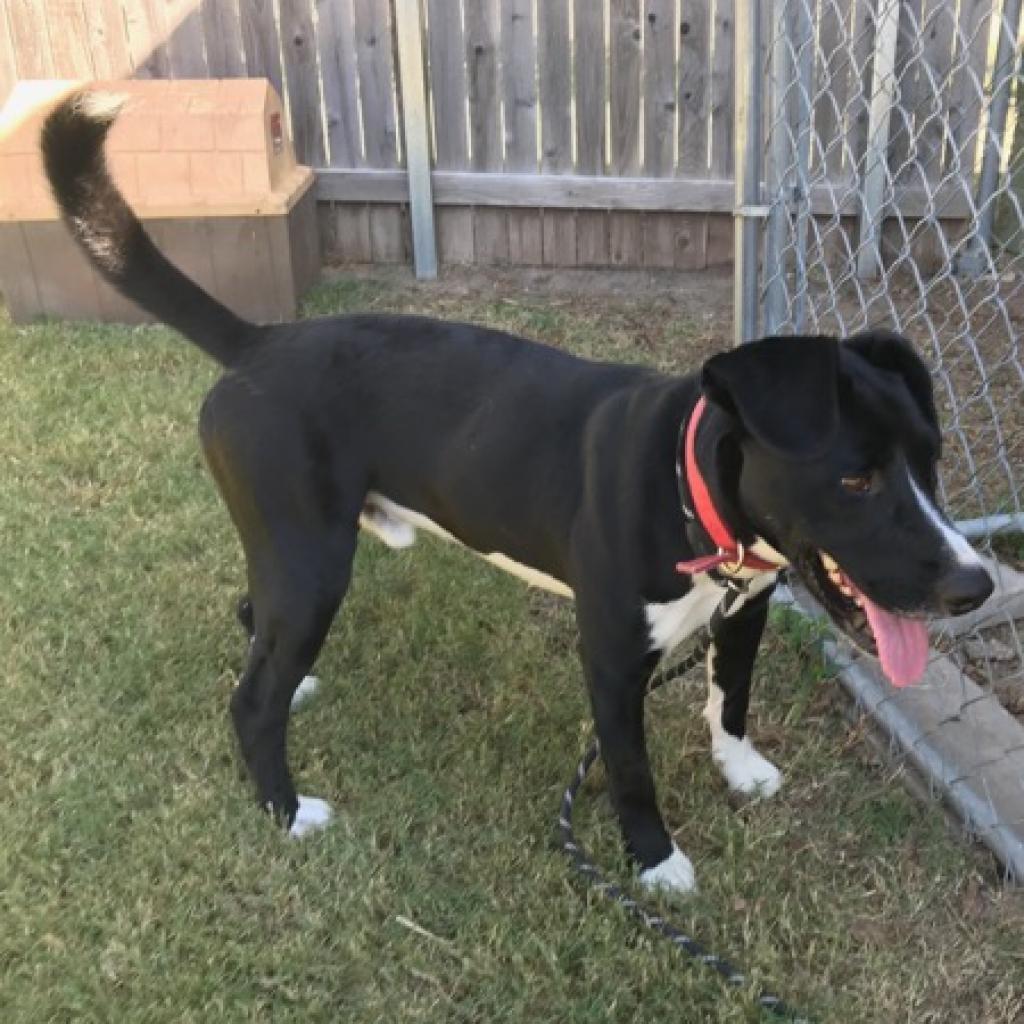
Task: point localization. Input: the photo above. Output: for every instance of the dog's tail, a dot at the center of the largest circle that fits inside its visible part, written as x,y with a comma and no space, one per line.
113,238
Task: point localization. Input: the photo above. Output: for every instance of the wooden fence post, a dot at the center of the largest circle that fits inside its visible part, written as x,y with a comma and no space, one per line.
876,160
409,26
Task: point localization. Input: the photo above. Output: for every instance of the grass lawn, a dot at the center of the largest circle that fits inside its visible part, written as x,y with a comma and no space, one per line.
138,883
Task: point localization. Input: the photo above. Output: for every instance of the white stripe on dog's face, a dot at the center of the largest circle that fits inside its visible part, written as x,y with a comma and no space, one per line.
957,543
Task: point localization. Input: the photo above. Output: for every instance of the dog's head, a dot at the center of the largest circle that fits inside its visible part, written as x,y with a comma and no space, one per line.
834,450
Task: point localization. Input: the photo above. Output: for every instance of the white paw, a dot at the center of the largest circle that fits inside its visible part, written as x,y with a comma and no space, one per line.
304,692
745,770
312,814
674,873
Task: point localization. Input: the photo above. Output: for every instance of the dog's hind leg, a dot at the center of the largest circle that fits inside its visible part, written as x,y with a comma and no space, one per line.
307,689
294,601
735,639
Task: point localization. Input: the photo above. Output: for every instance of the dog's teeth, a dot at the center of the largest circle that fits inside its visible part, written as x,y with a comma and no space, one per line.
829,562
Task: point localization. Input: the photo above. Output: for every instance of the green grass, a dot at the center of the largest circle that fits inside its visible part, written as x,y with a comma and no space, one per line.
138,884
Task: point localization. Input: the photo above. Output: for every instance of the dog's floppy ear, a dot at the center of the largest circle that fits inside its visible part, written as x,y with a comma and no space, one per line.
785,392
887,350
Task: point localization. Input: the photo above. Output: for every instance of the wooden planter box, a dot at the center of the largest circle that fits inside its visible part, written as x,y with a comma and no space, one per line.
208,167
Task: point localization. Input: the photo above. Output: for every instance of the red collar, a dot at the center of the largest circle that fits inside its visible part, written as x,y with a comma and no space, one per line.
731,552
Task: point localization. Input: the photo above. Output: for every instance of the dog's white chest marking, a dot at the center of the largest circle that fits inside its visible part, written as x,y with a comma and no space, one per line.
671,623
396,526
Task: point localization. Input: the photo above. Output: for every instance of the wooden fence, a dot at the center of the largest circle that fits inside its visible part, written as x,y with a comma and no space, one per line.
562,132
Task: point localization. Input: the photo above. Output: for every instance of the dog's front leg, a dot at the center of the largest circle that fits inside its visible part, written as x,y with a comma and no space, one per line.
735,639
618,665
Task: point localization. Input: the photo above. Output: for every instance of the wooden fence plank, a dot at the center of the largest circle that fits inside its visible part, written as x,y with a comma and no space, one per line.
351,233
694,112
525,238
970,51
589,64
582,192
518,46
658,240
722,90
694,87
626,38
376,75
554,60
388,231
335,37
145,33
8,66
490,231
222,31
939,27
260,41
659,87
70,48
560,238
482,29
831,63
30,39
183,37
626,238
455,242
447,71
690,240
592,238
862,46
908,92
719,240
519,74
107,40
299,45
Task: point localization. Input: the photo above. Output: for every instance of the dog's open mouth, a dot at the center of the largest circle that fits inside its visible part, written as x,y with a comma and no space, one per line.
899,642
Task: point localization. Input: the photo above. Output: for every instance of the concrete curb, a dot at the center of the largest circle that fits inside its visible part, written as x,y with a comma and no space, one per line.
967,746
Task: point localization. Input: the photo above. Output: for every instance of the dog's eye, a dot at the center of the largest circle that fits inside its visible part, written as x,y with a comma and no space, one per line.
859,483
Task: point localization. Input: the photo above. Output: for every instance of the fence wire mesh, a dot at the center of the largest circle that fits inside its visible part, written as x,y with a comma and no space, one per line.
894,166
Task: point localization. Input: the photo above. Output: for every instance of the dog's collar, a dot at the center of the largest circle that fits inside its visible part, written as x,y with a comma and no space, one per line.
730,554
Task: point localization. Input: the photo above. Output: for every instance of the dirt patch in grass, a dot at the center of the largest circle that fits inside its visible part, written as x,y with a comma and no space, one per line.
140,884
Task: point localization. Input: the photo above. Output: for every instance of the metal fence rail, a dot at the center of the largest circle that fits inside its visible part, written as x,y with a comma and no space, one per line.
893,147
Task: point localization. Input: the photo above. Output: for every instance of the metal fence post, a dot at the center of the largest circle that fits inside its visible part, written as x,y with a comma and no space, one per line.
803,33
777,172
409,27
876,160
977,258
748,212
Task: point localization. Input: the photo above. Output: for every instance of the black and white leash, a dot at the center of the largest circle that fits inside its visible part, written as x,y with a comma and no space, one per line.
581,862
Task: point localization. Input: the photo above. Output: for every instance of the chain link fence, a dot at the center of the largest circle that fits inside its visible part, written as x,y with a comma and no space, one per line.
891,147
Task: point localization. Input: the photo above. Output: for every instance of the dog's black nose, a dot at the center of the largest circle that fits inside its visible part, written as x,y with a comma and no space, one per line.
964,589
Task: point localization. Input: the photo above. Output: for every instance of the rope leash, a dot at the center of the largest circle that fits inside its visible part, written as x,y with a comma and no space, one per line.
580,859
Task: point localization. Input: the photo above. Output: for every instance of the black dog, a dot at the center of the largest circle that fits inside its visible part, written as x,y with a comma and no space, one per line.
657,509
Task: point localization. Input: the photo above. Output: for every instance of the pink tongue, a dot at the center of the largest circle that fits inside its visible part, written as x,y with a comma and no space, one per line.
902,644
